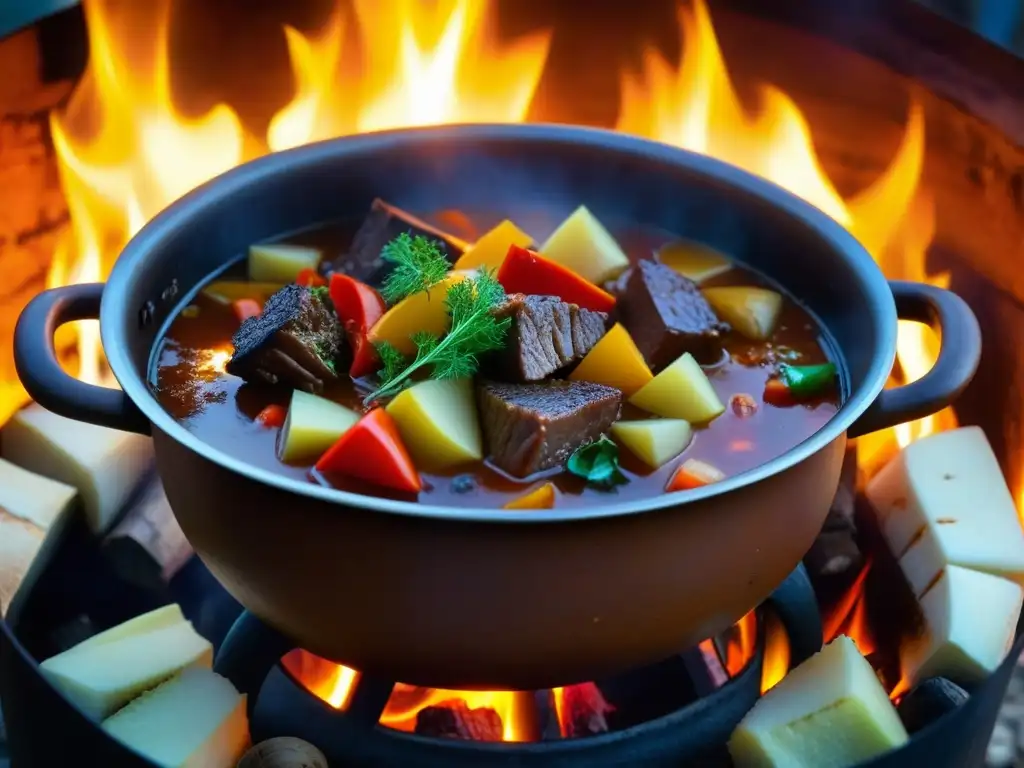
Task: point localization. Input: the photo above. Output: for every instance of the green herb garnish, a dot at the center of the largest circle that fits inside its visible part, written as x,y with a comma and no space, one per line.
598,464
321,292
419,263
473,331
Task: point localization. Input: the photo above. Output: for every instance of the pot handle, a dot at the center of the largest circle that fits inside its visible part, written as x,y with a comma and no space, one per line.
46,382
958,358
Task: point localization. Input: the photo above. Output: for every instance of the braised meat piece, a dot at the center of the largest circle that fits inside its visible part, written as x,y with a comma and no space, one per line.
297,340
383,224
533,427
546,335
667,315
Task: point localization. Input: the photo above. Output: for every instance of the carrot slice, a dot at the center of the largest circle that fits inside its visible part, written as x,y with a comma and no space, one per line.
373,451
693,473
539,498
310,278
777,393
272,416
524,271
246,308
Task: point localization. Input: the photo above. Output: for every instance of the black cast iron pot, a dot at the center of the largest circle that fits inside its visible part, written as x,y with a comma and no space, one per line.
460,597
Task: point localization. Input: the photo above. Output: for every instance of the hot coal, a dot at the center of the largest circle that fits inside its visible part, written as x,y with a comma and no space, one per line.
928,701
584,711
546,335
455,720
383,224
667,315
297,340
532,427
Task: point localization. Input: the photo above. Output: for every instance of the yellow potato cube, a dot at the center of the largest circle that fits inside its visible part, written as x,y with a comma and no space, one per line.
694,260
615,362
654,441
280,263
681,391
751,311
438,423
582,244
312,426
490,250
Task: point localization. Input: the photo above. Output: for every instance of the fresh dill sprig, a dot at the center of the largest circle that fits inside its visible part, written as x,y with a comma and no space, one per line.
473,331
419,263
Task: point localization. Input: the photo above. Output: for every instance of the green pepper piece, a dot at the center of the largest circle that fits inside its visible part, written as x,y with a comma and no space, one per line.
806,381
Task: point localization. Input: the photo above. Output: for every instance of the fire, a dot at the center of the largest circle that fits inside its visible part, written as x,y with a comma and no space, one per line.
422,64
334,684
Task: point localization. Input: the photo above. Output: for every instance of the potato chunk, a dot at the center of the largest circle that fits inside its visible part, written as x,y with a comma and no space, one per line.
654,441
582,244
312,426
438,423
280,263
681,391
752,311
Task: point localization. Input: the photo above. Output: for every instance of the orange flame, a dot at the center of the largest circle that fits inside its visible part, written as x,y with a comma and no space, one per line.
334,684
423,64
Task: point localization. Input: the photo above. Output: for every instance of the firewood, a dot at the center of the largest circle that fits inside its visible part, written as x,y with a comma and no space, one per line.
583,711
148,543
836,552
283,752
105,465
29,506
455,720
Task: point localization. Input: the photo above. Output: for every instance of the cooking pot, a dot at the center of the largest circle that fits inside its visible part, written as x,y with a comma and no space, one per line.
463,597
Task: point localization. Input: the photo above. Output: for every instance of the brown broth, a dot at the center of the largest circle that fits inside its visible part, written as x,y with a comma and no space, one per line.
219,409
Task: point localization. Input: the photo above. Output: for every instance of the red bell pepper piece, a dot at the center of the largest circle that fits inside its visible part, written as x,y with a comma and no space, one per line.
272,416
372,451
246,308
310,278
524,271
358,307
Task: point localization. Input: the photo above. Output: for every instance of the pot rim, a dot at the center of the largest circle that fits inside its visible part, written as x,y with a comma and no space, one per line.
178,215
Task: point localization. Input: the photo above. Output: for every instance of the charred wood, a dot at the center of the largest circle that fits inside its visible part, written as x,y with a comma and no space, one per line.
455,720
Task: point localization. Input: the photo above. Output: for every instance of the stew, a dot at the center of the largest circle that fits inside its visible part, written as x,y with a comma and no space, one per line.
499,372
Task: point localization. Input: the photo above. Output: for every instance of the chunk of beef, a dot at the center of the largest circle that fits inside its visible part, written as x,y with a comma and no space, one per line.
533,427
546,335
383,224
667,315
296,340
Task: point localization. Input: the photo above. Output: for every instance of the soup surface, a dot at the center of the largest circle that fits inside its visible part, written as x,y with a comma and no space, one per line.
756,379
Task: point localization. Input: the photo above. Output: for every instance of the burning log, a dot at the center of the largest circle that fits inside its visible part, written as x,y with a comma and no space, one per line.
582,710
454,719
836,553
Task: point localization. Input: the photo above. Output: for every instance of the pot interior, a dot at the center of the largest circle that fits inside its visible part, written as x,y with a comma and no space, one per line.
533,174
